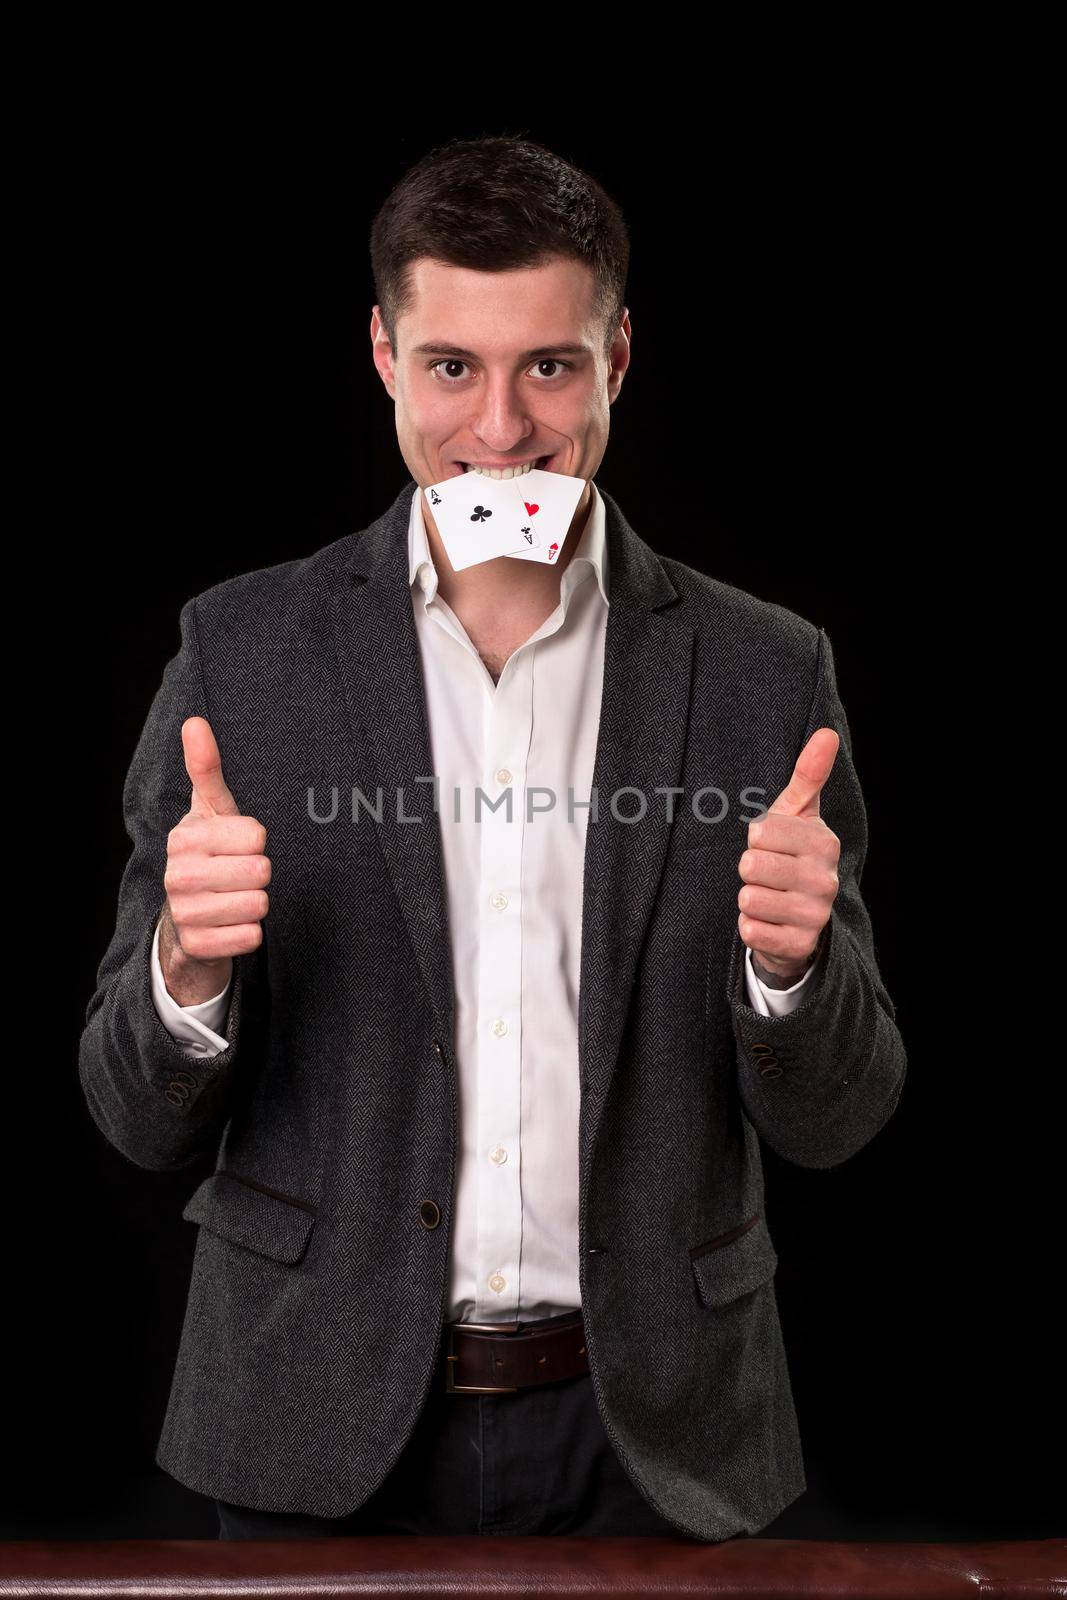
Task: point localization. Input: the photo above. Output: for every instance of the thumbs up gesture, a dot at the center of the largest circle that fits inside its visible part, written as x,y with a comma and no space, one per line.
215,879
790,868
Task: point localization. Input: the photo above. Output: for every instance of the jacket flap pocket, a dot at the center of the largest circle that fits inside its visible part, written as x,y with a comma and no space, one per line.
252,1215
734,1263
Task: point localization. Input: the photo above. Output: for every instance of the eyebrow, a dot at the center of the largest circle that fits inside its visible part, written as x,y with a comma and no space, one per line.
527,355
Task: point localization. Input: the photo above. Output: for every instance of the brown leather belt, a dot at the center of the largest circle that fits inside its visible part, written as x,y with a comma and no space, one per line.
503,1357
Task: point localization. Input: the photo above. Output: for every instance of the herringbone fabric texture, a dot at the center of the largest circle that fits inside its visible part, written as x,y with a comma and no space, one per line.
320,1273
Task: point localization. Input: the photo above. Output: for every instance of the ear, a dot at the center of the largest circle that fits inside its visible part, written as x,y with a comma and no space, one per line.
620,356
382,351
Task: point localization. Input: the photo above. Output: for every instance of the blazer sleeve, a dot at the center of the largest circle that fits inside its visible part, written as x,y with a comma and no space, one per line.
156,1104
819,1082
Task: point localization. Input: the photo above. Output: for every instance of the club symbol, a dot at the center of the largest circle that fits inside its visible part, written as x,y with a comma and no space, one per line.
435,498
480,513
527,535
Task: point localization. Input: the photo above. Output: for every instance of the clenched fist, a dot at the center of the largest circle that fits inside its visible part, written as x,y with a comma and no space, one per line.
215,880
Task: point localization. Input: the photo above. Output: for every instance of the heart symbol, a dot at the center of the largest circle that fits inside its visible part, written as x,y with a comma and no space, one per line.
530,510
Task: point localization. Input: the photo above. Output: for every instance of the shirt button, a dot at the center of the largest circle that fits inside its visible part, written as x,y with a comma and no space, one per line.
503,775
500,1027
498,1283
498,901
499,1155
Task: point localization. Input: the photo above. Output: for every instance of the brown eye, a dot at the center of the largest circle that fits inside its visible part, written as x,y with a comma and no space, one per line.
447,361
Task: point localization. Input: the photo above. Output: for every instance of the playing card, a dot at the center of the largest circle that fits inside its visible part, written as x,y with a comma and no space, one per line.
549,501
478,518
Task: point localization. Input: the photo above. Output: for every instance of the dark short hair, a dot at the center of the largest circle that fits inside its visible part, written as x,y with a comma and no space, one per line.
495,203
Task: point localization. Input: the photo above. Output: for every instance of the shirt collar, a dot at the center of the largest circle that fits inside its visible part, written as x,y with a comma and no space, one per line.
592,551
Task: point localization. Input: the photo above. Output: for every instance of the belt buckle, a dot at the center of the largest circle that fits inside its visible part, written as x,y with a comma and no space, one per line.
452,1387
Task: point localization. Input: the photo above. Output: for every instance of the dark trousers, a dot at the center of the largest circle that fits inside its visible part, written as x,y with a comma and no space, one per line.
536,1461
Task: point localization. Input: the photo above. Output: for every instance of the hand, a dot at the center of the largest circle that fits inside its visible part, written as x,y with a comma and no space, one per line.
215,879
790,867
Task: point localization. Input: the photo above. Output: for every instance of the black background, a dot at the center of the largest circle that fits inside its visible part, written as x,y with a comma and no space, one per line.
783,426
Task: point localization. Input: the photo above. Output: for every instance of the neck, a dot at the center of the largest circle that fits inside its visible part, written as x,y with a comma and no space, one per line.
503,585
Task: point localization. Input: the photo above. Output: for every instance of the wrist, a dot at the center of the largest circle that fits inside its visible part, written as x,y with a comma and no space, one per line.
778,974
189,981
778,978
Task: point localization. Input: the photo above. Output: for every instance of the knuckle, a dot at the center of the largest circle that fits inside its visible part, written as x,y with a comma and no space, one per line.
179,876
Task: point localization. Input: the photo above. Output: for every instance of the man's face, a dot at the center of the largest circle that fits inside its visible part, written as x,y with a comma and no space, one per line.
515,394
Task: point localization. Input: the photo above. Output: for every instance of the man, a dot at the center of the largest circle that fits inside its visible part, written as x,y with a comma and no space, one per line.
482,1246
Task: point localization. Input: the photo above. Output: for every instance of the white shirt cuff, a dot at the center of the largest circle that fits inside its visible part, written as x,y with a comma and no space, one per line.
773,1002
194,1027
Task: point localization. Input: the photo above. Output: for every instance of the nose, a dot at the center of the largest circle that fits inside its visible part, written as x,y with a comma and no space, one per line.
501,423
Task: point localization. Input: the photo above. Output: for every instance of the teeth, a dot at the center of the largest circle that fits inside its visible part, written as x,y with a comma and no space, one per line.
503,473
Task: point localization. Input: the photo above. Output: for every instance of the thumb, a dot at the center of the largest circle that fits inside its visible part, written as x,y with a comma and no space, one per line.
800,797
211,797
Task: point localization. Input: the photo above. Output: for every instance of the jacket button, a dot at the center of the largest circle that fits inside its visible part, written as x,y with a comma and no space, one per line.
430,1214
769,1071
437,1049
177,1090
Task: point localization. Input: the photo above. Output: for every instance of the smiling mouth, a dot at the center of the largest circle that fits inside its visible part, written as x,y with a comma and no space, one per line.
519,470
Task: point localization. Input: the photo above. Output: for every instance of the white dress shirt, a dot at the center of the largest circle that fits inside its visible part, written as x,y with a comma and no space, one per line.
514,891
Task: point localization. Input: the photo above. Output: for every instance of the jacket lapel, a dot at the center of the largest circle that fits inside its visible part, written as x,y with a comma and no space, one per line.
640,745
381,672
648,650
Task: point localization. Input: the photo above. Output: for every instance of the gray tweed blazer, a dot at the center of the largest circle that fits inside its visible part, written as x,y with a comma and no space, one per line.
328,1127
